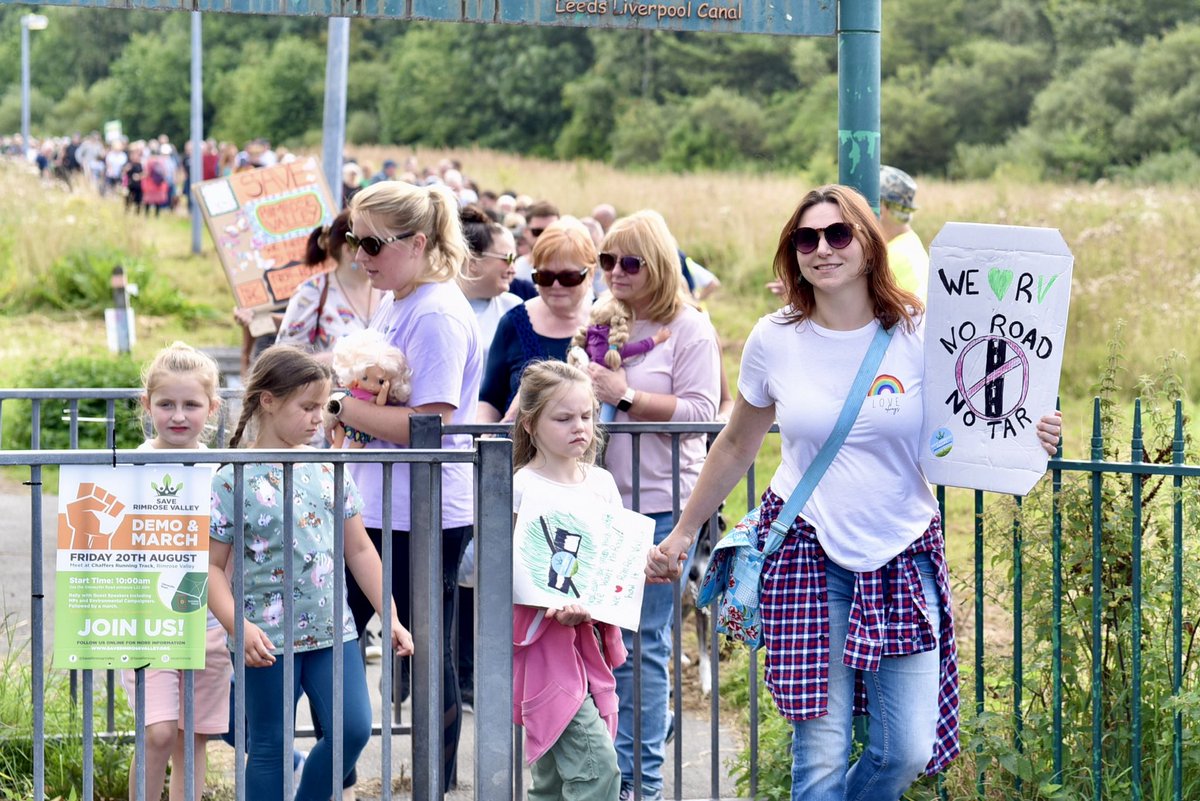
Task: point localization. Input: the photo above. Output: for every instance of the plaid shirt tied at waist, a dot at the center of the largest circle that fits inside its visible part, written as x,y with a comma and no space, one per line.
887,619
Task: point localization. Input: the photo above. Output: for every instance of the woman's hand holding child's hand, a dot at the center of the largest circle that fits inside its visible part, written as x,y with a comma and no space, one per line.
258,647
402,641
570,615
664,562
1049,430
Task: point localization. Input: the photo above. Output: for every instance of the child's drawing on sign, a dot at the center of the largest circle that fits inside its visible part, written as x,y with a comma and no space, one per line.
595,557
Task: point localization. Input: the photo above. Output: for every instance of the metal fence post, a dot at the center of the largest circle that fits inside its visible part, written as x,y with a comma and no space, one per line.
425,544
493,620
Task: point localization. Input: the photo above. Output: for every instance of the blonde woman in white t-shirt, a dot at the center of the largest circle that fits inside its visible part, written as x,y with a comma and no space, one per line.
862,572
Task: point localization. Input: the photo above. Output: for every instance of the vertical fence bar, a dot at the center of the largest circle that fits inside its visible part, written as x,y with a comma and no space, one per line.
493,619
89,737
1136,481
238,552
337,737
979,689
287,642
426,567
752,666
37,608
1056,619
636,497
1097,606
677,633
388,660
1018,649
941,502
139,735
1177,605
189,731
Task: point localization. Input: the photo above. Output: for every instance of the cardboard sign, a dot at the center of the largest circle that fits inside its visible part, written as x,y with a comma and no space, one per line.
260,221
592,556
994,333
131,588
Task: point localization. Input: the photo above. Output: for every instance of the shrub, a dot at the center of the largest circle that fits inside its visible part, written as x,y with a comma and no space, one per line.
80,280
719,130
86,372
63,729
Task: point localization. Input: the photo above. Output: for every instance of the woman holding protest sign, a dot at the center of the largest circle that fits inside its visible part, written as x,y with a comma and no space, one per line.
856,597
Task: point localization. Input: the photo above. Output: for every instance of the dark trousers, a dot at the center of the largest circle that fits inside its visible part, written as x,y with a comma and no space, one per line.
454,540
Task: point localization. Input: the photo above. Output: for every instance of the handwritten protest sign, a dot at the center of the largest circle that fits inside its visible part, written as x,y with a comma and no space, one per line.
995,326
594,556
259,221
131,588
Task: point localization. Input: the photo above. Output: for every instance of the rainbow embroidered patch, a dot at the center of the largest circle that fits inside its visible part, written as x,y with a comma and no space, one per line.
886,385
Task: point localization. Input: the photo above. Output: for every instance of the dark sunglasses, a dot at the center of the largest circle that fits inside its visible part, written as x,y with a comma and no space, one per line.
535,232
838,235
507,258
547,278
373,244
629,264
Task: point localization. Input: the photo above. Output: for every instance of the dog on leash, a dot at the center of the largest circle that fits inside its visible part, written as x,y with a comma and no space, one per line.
710,534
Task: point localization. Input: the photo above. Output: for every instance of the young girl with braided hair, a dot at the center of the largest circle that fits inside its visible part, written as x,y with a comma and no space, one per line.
281,410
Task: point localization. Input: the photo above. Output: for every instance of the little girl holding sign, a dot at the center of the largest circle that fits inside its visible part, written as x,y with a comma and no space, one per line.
179,396
564,693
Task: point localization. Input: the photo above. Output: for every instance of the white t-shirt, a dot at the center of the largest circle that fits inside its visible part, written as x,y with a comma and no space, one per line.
597,485
488,312
873,501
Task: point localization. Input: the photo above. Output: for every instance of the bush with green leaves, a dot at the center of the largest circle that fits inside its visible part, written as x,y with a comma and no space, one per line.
86,372
63,730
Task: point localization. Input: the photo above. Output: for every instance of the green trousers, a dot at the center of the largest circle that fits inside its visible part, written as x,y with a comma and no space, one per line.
581,765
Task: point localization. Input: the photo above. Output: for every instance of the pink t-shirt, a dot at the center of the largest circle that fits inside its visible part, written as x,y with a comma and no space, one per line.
436,329
687,366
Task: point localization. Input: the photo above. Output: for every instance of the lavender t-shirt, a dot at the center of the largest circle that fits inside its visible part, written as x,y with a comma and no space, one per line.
436,329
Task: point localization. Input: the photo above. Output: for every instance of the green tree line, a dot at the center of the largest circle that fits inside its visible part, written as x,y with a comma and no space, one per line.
1058,89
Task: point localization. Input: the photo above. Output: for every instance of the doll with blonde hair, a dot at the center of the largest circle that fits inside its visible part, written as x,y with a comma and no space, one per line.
371,370
605,340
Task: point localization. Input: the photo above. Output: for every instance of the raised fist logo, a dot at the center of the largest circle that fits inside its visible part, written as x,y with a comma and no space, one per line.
93,517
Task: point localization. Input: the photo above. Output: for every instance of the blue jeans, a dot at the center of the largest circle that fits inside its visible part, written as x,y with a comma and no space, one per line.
313,674
902,704
654,631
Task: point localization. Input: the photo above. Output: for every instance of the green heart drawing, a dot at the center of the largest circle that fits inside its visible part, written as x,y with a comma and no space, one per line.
1000,280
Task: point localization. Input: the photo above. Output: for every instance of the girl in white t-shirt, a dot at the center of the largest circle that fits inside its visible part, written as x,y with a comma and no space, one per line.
180,398
564,692
858,594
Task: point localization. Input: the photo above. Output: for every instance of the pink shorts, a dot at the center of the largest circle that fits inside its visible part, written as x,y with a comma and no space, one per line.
164,689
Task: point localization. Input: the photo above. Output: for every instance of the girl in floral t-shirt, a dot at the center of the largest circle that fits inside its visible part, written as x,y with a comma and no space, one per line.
283,401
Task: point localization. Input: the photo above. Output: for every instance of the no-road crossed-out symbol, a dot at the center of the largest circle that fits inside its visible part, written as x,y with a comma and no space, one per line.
992,378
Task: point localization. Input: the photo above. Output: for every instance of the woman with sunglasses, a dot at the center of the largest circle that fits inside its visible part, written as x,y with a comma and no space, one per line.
858,596
410,243
489,271
324,309
678,381
541,328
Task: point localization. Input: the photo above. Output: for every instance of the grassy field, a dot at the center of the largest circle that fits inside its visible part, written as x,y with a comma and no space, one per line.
1132,249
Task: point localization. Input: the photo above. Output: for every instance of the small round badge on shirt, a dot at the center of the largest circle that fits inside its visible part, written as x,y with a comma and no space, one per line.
941,442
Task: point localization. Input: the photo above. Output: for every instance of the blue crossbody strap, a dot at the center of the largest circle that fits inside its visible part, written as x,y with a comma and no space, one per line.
820,463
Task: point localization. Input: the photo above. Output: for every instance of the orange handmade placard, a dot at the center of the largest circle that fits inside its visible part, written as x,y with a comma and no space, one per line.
259,221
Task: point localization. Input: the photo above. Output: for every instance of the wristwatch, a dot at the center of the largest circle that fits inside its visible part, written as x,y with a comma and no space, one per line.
334,406
626,401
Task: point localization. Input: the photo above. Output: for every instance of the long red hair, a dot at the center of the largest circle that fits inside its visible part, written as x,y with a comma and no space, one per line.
892,304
